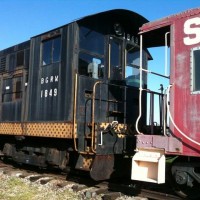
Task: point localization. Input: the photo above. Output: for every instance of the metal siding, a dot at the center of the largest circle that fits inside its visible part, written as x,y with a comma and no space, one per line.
11,111
155,30
48,107
10,107
186,106
68,69
83,103
168,20
44,103
11,103
33,98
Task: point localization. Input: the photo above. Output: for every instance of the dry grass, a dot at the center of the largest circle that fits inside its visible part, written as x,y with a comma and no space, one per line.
13,188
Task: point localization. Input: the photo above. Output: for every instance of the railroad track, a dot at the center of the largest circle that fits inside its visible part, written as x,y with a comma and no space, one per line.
87,188
158,195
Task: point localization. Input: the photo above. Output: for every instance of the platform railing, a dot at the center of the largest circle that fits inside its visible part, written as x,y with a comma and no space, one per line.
156,112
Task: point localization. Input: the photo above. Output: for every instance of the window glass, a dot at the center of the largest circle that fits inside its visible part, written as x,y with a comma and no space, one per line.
196,69
91,66
51,51
27,55
18,92
47,48
115,61
12,62
56,49
132,72
91,40
20,58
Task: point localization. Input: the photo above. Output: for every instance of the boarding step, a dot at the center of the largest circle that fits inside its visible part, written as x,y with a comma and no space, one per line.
149,165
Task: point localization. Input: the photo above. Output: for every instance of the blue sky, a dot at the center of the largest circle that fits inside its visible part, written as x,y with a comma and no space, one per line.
22,19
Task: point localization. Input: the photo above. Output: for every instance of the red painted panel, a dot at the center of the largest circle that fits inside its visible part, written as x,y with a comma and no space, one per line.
185,105
168,20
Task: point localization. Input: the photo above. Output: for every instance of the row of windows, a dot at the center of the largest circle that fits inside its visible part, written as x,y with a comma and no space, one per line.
12,88
92,61
92,66
50,54
13,61
89,64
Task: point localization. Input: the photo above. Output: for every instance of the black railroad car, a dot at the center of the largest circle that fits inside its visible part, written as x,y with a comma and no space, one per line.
69,97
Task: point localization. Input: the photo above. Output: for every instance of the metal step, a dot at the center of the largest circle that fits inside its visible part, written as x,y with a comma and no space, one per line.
115,113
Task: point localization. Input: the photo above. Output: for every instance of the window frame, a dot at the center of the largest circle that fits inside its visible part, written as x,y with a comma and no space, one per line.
14,89
17,90
20,55
52,56
97,57
98,54
84,40
193,87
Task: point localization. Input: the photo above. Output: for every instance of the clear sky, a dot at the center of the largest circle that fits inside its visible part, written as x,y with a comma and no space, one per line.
22,19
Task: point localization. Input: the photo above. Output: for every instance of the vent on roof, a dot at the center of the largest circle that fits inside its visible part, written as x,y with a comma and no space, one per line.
2,64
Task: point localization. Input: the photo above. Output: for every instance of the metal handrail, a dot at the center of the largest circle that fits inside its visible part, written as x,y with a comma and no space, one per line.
161,106
93,111
74,112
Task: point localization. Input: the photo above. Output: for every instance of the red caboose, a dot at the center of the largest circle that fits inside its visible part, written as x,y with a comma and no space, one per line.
181,135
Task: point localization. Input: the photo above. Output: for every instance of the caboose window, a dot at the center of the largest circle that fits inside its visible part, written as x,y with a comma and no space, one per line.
91,66
91,40
56,49
51,51
91,55
195,69
20,58
115,60
47,49
18,92
132,72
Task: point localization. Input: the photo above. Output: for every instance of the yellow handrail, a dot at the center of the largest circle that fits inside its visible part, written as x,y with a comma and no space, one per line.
93,109
74,112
